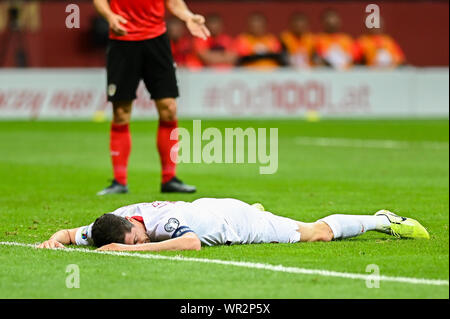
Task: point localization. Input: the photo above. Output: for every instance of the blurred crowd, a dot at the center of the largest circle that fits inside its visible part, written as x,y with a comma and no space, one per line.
295,47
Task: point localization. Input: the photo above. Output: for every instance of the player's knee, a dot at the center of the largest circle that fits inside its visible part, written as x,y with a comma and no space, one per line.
167,109
322,232
121,112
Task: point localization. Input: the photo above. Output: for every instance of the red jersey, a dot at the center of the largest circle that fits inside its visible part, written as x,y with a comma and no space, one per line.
145,18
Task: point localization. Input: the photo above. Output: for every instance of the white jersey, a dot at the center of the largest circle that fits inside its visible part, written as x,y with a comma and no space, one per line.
215,221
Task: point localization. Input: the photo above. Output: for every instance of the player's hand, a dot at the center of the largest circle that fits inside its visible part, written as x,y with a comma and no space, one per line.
115,24
197,27
50,244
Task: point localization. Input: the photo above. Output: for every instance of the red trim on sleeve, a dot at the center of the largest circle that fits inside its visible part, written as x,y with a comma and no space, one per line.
139,219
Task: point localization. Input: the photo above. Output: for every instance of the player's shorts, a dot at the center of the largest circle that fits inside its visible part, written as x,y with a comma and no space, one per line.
279,229
128,62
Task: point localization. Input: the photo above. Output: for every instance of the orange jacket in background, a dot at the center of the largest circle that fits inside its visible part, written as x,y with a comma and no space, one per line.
380,50
300,49
249,45
337,49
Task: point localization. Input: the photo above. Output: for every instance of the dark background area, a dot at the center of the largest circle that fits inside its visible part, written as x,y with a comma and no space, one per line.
420,27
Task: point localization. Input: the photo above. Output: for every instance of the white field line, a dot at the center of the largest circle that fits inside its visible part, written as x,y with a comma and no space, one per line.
276,268
358,143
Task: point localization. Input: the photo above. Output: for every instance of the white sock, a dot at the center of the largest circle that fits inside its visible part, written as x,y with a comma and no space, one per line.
345,226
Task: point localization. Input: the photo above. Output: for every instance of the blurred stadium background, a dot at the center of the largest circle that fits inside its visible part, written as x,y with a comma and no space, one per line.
383,143
50,72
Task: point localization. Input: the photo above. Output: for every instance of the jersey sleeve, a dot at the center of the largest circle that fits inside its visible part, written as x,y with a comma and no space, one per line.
172,226
83,236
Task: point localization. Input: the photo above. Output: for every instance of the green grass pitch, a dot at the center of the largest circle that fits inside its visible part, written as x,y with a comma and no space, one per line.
50,172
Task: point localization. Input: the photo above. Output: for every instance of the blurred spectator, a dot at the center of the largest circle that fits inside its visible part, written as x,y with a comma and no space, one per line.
377,49
298,42
182,45
333,47
257,48
297,47
217,50
17,18
28,14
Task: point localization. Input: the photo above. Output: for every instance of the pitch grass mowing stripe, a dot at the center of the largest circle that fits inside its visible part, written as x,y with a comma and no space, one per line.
357,143
277,268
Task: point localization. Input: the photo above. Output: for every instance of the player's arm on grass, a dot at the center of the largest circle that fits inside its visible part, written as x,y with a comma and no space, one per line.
188,241
194,22
115,21
60,238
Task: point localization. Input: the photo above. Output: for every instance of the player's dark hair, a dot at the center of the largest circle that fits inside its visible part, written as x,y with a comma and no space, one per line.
110,228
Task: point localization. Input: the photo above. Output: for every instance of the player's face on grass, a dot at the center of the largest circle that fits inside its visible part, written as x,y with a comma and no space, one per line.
137,235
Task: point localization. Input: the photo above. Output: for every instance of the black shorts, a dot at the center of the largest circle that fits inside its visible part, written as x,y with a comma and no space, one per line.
128,62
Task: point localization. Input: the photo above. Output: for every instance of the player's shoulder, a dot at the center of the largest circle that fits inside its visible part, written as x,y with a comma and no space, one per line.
128,209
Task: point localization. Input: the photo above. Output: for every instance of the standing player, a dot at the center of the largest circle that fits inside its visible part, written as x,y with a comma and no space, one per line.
139,49
180,225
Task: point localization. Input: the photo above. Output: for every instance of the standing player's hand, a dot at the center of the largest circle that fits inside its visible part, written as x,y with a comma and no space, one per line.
196,25
115,24
50,244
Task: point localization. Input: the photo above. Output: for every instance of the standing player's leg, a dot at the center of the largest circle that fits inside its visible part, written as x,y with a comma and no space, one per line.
120,142
167,110
167,140
160,80
124,64
120,147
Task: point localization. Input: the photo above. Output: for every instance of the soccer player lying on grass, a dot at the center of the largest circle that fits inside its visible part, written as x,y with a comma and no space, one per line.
180,225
